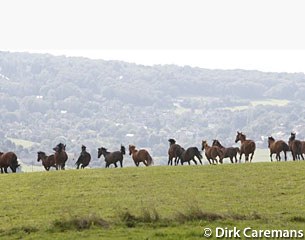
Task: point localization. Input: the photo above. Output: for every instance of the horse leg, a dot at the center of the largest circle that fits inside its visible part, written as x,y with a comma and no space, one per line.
115,165
279,156
271,156
285,154
5,169
170,161
240,155
121,163
302,156
251,156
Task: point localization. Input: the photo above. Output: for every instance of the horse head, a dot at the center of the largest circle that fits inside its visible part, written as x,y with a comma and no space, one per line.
131,149
270,141
40,155
204,144
240,137
172,141
60,147
101,151
292,136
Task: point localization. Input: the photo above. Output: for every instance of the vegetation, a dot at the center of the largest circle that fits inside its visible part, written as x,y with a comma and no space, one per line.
151,203
46,100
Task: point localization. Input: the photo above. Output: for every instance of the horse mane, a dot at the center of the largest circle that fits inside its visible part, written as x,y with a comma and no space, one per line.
172,141
271,138
104,149
217,143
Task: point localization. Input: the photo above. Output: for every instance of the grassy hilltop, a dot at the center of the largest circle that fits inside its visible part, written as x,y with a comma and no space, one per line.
151,203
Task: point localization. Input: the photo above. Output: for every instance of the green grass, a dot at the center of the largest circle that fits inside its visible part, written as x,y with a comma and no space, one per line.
21,142
271,102
151,203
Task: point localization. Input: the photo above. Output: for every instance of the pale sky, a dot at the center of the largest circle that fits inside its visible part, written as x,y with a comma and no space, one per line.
266,35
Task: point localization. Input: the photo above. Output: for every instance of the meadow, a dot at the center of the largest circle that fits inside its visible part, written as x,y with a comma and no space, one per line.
152,203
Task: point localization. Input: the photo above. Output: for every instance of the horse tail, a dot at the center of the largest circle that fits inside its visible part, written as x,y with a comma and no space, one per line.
123,150
237,150
149,159
286,147
197,153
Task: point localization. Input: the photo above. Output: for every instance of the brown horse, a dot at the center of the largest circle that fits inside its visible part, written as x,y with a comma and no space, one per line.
141,155
8,159
83,159
277,147
112,157
174,152
212,152
47,161
295,147
190,154
60,156
228,152
247,147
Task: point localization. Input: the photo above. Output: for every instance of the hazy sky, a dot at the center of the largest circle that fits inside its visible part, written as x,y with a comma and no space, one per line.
263,34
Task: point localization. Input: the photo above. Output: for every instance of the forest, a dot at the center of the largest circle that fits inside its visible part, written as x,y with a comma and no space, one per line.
49,99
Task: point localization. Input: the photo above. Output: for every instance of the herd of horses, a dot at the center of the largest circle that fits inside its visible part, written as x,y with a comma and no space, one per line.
215,154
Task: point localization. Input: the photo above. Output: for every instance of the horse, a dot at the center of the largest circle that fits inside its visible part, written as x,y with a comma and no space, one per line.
141,155
112,157
83,159
8,159
60,156
174,152
295,147
247,147
277,147
190,154
212,152
228,152
47,161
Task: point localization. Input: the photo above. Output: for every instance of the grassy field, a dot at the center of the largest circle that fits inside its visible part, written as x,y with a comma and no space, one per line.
151,203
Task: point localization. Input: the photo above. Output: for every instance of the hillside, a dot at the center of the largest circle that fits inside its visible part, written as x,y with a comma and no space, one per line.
46,100
152,203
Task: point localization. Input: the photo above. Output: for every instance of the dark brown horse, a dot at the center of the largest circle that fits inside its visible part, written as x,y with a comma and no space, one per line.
8,159
295,147
60,156
189,155
212,152
112,157
47,161
247,147
228,152
277,147
174,152
83,159
141,155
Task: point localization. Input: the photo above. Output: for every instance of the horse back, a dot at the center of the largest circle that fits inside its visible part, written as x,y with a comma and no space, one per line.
248,146
281,145
113,157
51,160
7,159
295,146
